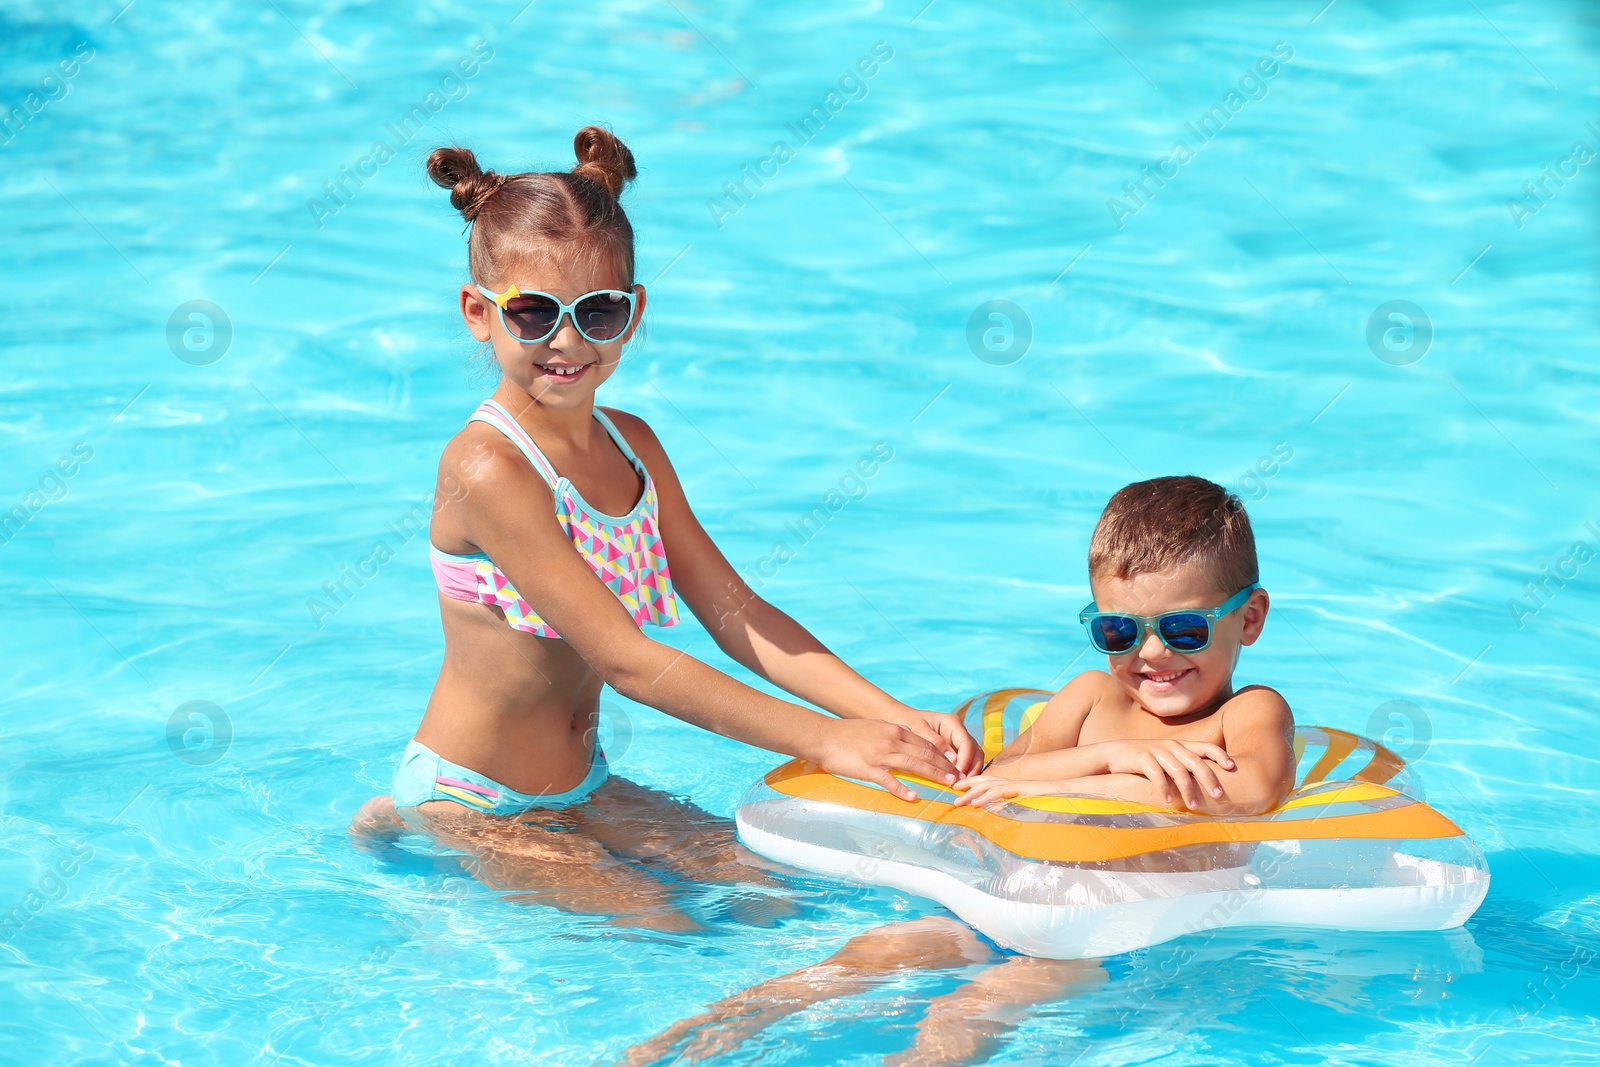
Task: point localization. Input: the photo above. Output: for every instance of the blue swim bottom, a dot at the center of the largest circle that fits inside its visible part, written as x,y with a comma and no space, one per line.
425,775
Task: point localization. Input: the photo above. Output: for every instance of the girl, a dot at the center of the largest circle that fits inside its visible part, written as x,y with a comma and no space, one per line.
552,550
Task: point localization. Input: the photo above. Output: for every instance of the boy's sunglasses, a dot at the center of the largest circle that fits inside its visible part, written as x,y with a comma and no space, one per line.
531,316
1116,633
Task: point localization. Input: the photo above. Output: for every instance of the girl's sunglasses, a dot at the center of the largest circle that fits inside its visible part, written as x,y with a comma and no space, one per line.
1116,633
532,316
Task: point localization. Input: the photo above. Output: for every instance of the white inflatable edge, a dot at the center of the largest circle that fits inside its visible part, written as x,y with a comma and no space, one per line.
1061,931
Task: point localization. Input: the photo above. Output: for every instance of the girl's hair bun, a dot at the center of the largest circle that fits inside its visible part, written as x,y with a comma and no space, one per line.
527,213
470,186
602,158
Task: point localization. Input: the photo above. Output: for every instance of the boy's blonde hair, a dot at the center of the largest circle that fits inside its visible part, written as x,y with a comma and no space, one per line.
1158,525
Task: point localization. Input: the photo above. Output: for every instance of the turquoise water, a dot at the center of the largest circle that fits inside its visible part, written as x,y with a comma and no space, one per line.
177,883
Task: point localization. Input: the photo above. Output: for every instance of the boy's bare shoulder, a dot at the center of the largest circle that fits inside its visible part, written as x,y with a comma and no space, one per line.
1083,692
1079,698
1089,682
1259,710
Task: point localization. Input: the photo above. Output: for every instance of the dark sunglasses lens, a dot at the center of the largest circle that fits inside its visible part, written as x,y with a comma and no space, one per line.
603,316
531,317
1186,633
1113,633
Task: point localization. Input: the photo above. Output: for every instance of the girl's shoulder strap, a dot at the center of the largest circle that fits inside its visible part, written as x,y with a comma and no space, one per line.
616,435
491,412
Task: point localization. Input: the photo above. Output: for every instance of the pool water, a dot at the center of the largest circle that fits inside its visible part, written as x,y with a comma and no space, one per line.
190,717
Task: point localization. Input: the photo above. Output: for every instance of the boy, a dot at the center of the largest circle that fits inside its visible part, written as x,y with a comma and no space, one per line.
1172,565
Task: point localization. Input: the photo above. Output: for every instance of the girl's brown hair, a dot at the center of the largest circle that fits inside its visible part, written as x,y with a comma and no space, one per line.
570,213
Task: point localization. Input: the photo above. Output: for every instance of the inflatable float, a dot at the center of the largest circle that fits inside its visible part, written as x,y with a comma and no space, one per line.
1072,877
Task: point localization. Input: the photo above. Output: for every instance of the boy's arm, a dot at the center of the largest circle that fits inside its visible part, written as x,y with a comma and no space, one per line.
1258,733
1049,747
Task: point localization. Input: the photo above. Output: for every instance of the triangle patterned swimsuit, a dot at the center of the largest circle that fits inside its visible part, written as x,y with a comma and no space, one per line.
624,551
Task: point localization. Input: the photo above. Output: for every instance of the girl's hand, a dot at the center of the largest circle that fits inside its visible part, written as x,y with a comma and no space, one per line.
988,790
869,749
948,733
1178,768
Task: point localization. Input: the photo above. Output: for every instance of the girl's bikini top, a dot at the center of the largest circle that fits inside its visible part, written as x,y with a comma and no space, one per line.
625,551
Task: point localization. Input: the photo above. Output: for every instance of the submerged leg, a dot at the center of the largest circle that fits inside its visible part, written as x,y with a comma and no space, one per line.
639,823
543,858
686,842
920,944
966,1025
376,824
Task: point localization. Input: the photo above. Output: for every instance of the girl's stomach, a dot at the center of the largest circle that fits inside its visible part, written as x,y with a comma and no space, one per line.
518,708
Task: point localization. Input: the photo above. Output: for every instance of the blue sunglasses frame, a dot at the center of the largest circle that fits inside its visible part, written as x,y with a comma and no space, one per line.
563,309
1088,616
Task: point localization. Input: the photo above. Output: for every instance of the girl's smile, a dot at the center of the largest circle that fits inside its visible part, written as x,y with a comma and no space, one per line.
562,373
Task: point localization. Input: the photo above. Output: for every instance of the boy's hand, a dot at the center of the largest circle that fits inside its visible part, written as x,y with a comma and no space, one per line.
1178,768
987,790
945,731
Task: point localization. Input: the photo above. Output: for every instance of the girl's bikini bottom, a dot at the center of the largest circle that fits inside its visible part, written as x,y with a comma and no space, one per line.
425,775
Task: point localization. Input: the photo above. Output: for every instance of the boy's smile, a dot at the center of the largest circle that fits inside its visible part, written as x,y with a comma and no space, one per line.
1168,684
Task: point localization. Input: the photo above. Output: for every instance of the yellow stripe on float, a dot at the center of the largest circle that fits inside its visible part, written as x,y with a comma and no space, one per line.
1340,745
994,738
1095,843
1385,764
1361,791
1085,805
994,717
1029,715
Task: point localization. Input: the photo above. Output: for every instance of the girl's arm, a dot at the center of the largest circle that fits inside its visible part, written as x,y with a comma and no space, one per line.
508,512
762,637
